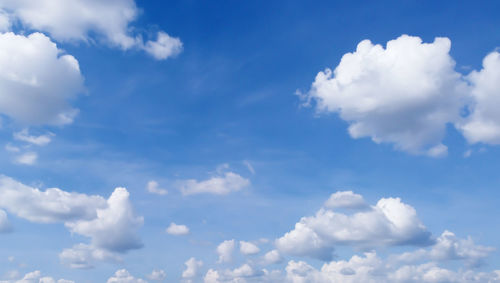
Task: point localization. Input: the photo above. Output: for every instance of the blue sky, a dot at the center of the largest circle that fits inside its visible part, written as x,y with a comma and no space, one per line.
220,105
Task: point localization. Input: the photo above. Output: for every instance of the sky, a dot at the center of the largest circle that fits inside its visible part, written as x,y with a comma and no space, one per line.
249,141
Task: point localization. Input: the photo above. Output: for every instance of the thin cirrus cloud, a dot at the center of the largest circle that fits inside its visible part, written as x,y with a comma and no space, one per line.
111,224
408,92
76,20
388,223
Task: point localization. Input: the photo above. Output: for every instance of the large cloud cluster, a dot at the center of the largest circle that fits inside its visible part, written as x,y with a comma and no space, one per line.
408,92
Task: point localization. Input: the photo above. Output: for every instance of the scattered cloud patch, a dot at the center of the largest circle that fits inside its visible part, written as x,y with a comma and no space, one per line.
41,140
123,276
248,248
219,185
345,199
157,275
27,158
225,251
192,269
388,223
154,188
5,225
177,230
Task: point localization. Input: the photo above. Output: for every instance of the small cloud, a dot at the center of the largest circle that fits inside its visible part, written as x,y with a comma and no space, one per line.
249,166
41,140
153,188
177,230
28,158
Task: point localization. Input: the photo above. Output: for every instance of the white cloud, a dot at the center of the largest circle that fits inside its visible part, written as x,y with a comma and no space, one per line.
225,251
248,248
165,46
30,94
345,199
5,22
84,256
219,185
236,275
123,276
390,222
404,94
272,257
154,188
177,230
87,20
36,277
483,124
372,269
192,267
11,148
157,275
49,206
27,158
5,225
41,140
450,247
115,227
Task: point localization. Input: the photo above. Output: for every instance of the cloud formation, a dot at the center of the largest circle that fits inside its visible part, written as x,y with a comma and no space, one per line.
219,185
408,92
28,93
225,251
109,22
177,230
388,223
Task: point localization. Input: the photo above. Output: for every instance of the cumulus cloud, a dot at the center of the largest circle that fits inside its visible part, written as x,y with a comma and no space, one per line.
115,227
248,248
390,222
109,22
449,247
154,188
123,276
192,268
219,185
36,277
272,257
404,94
225,251
110,224
373,269
157,275
49,206
483,124
238,274
5,225
28,93
345,199
40,140
177,230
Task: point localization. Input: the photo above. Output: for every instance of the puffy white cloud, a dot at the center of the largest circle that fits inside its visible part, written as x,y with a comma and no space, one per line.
30,94
248,248
154,188
192,267
450,247
27,158
404,94
41,140
219,185
238,274
225,251
372,269
345,199
123,276
157,275
115,227
165,46
389,222
483,124
177,230
36,277
5,225
272,257
51,205
80,20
